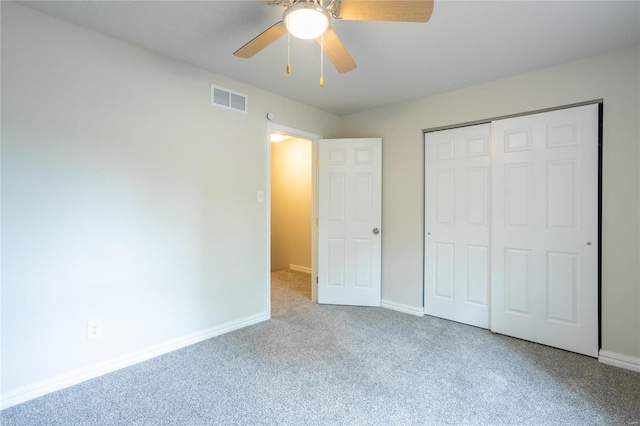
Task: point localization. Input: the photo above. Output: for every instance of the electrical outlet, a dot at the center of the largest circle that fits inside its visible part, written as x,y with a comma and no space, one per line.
94,329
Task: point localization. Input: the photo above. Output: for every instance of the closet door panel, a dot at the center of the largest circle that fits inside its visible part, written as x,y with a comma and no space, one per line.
544,234
457,219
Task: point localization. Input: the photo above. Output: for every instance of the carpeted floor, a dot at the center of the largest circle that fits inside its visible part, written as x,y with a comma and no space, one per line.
317,364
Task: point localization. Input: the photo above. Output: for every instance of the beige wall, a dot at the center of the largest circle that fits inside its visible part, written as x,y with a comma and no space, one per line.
126,197
613,77
290,204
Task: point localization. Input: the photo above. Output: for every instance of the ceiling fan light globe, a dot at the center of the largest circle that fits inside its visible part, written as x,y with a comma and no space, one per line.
306,20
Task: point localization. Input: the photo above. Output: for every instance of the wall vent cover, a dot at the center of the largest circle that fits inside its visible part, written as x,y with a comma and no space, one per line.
228,99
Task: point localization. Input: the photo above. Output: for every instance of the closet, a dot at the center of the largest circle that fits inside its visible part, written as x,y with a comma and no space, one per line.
511,226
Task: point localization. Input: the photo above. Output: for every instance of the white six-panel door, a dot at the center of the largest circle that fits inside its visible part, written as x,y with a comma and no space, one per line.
511,228
457,204
545,228
350,212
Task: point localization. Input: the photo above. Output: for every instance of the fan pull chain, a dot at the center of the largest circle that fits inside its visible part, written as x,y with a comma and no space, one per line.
288,53
322,60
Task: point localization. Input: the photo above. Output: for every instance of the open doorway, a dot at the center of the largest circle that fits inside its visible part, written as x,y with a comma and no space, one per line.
292,203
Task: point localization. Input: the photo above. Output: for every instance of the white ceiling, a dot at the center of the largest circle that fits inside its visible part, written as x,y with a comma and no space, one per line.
465,43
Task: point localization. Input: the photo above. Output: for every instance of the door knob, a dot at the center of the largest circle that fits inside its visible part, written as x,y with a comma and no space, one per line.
376,231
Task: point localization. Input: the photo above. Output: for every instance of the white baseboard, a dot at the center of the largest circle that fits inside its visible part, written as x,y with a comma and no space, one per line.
618,360
35,390
300,268
406,309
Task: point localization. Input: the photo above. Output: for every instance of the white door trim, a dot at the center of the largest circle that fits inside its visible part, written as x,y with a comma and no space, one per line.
314,138
502,117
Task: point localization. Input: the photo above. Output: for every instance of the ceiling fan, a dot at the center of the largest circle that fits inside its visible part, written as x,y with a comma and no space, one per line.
308,19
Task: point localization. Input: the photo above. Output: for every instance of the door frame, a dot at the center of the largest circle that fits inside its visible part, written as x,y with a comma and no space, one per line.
314,138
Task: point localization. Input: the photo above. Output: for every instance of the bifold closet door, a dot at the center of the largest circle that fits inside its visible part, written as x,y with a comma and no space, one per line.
544,234
457,218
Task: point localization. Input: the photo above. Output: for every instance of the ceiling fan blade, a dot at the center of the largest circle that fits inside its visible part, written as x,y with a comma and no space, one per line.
272,34
386,10
336,52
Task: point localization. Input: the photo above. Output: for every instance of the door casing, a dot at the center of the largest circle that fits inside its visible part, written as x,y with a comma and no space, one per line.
314,138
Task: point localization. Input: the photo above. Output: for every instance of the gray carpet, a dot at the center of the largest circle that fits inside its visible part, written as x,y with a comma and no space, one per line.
318,365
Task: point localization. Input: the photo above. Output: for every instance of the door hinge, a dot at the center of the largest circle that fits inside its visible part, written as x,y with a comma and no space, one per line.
316,280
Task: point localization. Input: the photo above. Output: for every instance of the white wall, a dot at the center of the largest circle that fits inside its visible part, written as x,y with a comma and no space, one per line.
126,197
613,77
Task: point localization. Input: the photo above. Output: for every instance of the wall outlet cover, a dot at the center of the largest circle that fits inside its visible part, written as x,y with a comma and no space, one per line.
94,329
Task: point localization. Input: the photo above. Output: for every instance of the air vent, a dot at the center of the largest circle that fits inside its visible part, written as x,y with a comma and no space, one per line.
228,99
